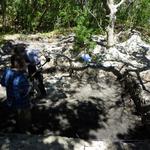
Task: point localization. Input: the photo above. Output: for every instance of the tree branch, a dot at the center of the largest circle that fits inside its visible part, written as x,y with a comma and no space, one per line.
118,5
94,17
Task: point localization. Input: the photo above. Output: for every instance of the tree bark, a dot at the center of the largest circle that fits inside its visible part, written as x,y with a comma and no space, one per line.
111,37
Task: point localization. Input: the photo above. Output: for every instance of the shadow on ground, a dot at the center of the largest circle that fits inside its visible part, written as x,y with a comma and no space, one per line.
23,142
64,119
136,138
139,132
60,117
70,120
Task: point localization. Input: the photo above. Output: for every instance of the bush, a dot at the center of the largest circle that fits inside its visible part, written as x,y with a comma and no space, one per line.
83,33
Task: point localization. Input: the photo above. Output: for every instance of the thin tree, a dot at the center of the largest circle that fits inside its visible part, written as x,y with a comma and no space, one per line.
111,37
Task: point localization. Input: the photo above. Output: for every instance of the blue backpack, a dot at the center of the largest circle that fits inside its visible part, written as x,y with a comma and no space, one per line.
17,88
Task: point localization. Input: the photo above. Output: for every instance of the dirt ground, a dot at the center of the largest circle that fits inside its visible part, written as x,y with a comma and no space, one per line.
89,107
86,106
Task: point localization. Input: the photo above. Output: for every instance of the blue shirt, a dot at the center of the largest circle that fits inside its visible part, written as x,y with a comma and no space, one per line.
32,57
17,88
86,57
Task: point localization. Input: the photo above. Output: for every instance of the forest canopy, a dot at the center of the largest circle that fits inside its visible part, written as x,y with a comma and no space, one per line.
47,15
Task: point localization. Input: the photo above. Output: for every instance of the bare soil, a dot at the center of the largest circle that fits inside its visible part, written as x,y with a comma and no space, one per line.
89,107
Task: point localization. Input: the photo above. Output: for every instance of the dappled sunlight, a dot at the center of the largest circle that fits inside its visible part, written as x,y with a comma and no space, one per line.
91,104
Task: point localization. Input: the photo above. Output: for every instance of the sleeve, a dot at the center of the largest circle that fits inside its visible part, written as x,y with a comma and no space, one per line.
4,78
33,57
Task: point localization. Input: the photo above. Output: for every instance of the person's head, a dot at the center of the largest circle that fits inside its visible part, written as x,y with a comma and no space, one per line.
19,49
8,46
9,43
18,62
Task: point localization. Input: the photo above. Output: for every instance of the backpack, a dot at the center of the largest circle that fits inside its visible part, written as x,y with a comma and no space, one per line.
17,88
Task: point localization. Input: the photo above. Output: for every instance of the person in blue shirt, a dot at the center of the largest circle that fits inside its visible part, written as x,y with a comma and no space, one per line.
17,87
32,61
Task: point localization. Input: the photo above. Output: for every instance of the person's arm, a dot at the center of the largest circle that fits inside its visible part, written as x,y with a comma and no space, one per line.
3,77
1,74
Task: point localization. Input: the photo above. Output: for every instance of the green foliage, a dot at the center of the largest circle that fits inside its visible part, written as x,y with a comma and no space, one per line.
67,15
143,13
41,15
83,33
1,40
46,15
135,14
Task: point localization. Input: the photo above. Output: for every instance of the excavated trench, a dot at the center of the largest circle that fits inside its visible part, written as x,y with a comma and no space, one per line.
89,108
92,104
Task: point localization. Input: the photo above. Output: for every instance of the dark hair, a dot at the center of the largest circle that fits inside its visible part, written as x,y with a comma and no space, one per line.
15,59
9,43
8,46
19,48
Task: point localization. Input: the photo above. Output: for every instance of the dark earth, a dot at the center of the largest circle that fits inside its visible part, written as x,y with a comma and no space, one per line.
86,106
89,108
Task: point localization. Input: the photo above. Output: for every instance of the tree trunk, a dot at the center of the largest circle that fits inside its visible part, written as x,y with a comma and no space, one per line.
111,37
